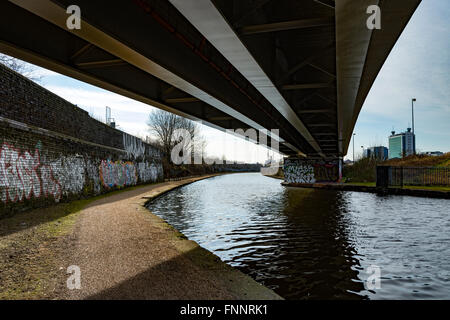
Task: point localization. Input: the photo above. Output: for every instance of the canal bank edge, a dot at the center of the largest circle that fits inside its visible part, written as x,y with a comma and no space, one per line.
239,284
37,246
372,189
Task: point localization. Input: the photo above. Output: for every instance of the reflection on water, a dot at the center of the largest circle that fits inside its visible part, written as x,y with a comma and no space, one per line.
317,244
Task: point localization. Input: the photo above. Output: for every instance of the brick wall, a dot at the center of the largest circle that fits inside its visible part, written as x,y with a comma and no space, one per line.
51,150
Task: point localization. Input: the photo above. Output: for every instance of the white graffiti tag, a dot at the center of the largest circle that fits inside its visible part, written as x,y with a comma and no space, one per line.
50,187
299,173
69,172
18,176
134,147
149,172
23,176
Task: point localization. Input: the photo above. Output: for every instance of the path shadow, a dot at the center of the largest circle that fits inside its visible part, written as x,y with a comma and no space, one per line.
193,275
31,218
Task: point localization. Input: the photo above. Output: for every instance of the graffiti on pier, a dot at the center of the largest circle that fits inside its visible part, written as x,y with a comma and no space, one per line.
299,174
310,171
325,171
117,174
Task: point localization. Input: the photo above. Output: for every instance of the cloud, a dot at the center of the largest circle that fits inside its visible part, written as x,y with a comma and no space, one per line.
131,117
99,99
139,129
418,67
41,72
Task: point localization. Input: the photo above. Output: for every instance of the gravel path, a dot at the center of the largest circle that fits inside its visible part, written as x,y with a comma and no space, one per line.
126,252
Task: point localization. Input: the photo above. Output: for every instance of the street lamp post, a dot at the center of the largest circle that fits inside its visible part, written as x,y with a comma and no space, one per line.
354,147
412,112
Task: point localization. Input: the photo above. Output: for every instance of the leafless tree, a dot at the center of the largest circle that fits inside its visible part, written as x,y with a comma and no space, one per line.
19,66
164,125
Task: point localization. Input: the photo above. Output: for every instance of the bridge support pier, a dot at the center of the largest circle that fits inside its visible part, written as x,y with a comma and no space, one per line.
308,171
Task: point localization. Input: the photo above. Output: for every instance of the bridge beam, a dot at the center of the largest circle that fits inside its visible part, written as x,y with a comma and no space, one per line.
316,111
101,64
308,60
361,52
96,37
301,86
95,53
287,25
328,3
204,15
182,100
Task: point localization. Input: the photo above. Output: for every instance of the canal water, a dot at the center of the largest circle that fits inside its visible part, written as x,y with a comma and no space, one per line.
318,244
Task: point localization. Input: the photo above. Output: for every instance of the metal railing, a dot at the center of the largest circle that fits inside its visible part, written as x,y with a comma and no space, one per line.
412,176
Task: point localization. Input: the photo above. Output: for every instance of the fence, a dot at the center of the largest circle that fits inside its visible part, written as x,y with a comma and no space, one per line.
411,176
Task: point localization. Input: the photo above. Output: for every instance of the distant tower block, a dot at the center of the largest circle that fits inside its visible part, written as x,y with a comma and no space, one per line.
108,116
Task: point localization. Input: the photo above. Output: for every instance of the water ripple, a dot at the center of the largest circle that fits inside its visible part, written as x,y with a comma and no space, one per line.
317,244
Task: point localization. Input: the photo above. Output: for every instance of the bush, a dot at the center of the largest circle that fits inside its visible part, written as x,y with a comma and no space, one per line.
420,160
363,170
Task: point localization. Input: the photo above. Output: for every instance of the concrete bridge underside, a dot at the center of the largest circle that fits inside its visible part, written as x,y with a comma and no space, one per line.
302,66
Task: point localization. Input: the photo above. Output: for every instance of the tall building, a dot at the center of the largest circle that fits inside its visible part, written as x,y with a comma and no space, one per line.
380,153
402,144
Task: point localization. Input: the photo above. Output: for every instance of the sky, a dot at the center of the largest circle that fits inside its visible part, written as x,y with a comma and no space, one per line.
418,67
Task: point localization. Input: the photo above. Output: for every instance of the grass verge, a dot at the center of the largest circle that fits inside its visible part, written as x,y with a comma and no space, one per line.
33,247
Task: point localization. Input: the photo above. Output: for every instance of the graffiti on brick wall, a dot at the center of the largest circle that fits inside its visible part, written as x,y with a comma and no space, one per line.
134,147
93,176
20,178
149,172
312,171
69,172
50,186
24,175
117,174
